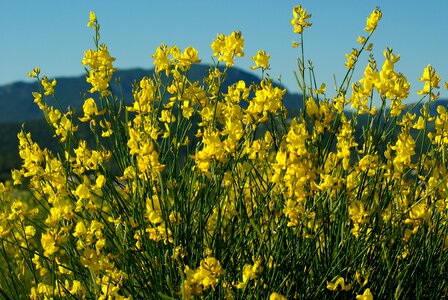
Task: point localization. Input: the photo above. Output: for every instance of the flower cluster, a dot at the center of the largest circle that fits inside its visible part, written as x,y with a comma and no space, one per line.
226,48
300,19
101,69
202,278
211,189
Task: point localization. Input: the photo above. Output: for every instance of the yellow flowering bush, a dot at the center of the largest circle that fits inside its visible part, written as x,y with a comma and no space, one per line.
201,190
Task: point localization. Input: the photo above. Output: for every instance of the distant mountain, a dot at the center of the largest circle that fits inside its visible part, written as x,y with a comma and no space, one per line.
17,104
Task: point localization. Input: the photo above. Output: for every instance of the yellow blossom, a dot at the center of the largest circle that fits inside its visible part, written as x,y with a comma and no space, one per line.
250,272
227,47
357,212
101,69
261,60
35,73
338,283
90,109
300,19
92,19
190,56
431,80
80,229
277,296
48,86
404,150
352,58
38,100
204,277
161,61
30,231
372,20
367,295
361,40
82,192
48,242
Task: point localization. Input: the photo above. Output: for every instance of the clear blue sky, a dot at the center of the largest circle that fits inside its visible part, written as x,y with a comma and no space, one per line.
53,35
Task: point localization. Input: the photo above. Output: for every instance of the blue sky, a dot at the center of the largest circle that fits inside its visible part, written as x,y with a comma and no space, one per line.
53,35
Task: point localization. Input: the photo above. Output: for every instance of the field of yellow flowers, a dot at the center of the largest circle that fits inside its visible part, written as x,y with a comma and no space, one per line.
219,196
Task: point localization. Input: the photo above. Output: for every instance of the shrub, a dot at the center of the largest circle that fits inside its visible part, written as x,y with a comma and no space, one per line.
198,191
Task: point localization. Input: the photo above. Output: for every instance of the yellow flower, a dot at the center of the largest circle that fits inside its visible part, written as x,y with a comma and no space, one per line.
34,74
300,19
440,136
17,176
167,117
90,109
99,76
190,56
49,244
160,233
392,85
106,125
420,124
4,230
213,150
210,269
261,60
38,100
404,150
204,277
250,272
92,20
352,58
64,127
367,295
358,213
431,80
276,296
48,86
417,215
345,142
76,287
53,116
30,231
80,229
100,181
372,20
268,99
161,61
4,188
339,282
227,47
82,192
361,40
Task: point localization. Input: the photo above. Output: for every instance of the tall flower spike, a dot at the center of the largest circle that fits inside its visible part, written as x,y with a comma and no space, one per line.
300,19
372,20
